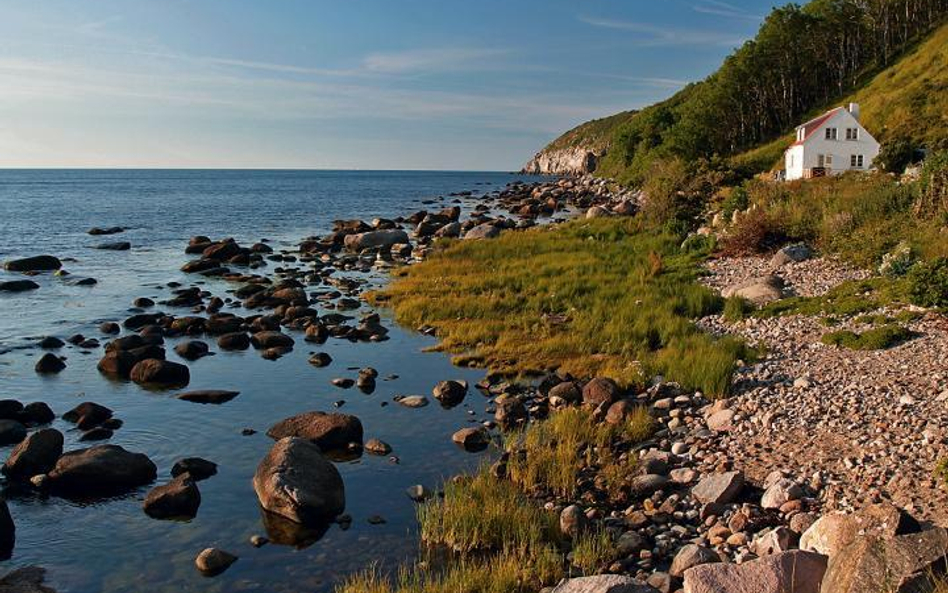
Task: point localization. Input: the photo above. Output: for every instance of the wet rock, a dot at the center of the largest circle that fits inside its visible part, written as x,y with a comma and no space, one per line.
234,341
88,414
10,409
295,481
18,285
789,572
100,470
720,488
418,493
99,433
690,556
471,439
51,343
110,328
178,499
320,359
212,561
208,396
36,454
271,339
413,401
7,533
37,263
49,364
197,468
36,413
377,447
600,391
192,350
380,239
11,432
114,246
450,393
160,373
328,431
342,382
258,541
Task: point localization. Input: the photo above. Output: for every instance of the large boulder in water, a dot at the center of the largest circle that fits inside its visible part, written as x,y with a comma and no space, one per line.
160,373
328,431
7,532
100,470
18,286
36,454
295,481
178,499
37,263
375,239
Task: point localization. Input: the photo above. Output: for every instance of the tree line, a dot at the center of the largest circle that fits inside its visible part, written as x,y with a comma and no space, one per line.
803,57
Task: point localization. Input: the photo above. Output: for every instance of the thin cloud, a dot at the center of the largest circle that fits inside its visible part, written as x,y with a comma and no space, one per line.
430,60
717,8
655,35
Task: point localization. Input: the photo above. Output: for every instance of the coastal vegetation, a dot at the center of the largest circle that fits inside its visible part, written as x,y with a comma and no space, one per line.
877,338
602,297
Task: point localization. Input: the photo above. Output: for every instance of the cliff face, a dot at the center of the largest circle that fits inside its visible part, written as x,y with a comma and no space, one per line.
567,161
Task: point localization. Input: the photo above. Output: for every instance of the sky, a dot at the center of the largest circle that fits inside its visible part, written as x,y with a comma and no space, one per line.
344,84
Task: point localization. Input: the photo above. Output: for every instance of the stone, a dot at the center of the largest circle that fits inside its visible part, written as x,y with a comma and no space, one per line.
36,263
647,484
471,439
208,396
178,499
381,239
629,543
49,364
271,339
870,561
377,447
195,467
295,481
418,493
192,350
604,583
36,454
36,413
620,411
450,393
11,432
568,391
413,401
759,291
327,430
487,230
773,541
573,521
689,556
100,470
114,246
795,571
233,341
597,212
791,253
320,359
88,414
779,493
510,412
719,488
7,532
18,285
212,561
600,391
160,373
722,420
831,532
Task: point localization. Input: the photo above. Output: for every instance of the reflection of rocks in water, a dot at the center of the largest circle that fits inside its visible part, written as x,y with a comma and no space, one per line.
284,532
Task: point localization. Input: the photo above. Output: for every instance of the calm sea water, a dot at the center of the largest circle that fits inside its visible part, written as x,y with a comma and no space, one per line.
112,545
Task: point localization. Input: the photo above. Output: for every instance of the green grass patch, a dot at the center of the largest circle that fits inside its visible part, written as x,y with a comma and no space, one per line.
877,338
846,300
737,309
592,298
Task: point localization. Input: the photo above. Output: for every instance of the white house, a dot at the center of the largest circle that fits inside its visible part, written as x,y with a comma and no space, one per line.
833,143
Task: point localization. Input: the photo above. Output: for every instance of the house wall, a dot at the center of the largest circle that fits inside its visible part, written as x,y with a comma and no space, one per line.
794,163
841,150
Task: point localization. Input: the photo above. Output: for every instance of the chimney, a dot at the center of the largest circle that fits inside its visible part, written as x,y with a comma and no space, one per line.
854,110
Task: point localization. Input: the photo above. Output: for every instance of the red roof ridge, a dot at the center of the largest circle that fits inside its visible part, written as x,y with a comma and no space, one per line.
814,124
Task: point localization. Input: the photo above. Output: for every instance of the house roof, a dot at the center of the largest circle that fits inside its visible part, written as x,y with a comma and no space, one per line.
814,124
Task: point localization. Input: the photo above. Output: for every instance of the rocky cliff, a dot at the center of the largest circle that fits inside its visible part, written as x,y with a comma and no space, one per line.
578,151
567,161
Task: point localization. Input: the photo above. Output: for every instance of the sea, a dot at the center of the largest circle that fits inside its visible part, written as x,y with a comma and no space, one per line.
111,544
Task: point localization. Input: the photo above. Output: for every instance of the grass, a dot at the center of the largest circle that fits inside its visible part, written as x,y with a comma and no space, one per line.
877,338
593,551
845,300
593,298
737,309
594,135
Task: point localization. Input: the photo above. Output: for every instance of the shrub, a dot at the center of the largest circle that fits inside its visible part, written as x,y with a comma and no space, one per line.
896,154
933,187
928,283
737,201
757,232
699,244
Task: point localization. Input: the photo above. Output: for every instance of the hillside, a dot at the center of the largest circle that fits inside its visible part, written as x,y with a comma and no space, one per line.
578,150
887,54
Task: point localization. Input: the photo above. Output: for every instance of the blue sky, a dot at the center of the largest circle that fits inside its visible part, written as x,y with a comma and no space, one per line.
361,84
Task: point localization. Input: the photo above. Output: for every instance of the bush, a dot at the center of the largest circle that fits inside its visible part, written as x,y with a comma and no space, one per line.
737,201
757,232
699,244
928,283
896,155
933,187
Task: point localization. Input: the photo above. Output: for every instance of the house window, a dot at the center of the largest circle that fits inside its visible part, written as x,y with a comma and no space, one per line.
831,133
829,160
821,160
855,161
852,133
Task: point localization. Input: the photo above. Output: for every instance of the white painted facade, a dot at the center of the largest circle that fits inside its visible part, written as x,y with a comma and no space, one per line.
835,142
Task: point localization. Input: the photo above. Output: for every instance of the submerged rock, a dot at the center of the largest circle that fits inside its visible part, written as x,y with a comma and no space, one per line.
49,364
18,285
212,561
195,467
208,396
37,263
178,499
160,373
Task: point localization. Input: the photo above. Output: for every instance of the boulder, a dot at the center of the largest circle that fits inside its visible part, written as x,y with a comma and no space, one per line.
11,432
791,253
160,373
271,339
7,532
832,532
37,263
295,481
192,350
178,499
690,556
36,454
88,414
212,561
604,583
722,420
510,412
208,396
450,393
327,430
381,239
100,470
779,493
49,364
573,521
234,341
567,391
795,571
720,488
114,246
36,413
600,391
597,212
487,230
759,291
18,285
196,468
110,230
471,439
413,401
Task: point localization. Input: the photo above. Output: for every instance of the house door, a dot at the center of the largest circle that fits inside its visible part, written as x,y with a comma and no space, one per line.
821,160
